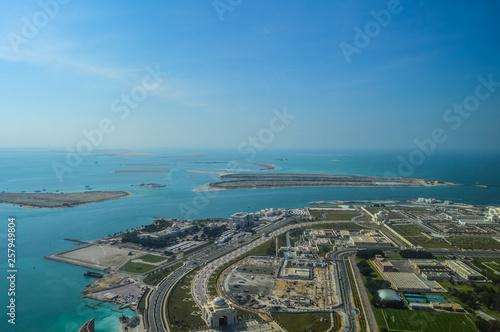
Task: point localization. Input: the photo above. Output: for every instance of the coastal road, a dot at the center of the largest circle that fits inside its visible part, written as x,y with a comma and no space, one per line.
156,321
155,318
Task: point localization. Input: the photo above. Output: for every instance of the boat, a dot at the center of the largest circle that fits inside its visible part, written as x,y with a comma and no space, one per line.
93,274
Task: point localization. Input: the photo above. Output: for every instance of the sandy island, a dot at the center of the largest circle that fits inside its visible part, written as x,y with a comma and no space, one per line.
141,171
263,166
148,164
266,181
150,185
59,200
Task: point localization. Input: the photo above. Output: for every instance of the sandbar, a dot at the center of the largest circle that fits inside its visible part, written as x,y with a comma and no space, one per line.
59,200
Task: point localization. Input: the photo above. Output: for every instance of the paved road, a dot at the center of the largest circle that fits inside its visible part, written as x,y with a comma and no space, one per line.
219,255
158,296
200,281
346,309
370,317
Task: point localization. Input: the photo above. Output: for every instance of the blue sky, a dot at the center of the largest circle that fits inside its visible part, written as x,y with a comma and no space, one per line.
226,76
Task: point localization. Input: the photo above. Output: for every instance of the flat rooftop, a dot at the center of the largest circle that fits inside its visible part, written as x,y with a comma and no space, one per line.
404,280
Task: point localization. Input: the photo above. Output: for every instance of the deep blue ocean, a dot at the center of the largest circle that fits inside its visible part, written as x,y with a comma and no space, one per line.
48,293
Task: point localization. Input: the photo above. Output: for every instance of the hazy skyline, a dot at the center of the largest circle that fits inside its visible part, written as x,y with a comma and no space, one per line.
215,73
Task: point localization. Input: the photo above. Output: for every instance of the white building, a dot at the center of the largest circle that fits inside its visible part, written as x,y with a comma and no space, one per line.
177,229
241,220
428,200
493,215
219,313
381,218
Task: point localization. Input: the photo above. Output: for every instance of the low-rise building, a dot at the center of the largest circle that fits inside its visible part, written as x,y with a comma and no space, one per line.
383,264
455,307
464,270
427,265
344,234
406,282
436,276
493,215
370,239
177,229
241,220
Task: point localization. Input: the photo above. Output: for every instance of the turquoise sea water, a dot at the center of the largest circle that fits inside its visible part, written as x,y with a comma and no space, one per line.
48,294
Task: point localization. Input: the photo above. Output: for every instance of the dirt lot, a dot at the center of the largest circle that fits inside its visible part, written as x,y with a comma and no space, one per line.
98,256
254,285
126,294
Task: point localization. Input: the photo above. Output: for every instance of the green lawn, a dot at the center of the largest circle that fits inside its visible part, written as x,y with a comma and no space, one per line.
462,286
336,225
391,214
181,306
138,267
413,233
152,258
422,321
154,278
333,215
479,243
378,313
393,256
296,322
374,209
142,303
492,264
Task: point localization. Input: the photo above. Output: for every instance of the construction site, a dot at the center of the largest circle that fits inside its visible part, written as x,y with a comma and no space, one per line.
263,284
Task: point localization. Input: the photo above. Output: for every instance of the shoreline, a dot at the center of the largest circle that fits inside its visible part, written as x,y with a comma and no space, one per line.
59,200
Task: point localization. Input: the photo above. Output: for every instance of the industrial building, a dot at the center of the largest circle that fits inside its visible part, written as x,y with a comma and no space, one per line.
464,270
